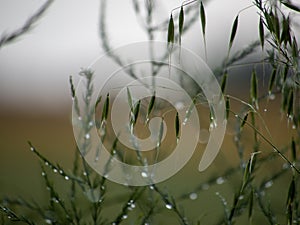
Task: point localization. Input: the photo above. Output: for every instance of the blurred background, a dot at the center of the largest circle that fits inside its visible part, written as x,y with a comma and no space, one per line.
35,99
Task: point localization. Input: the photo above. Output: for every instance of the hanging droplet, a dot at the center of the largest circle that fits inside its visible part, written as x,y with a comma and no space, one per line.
67,178
220,180
169,206
144,174
269,184
87,136
272,97
124,217
205,186
55,170
193,196
48,221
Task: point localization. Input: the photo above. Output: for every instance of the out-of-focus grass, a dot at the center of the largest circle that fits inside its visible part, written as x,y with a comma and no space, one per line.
53,136
19,168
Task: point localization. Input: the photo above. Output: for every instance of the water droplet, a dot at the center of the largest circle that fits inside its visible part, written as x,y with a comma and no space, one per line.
179,105
84,174
32,149
169,206
124,217
272,97
46,163
151,187
265,110
48,221
144,174
43,174
87,136
285,166
55,200
55,170
241,197
205,186
236,139
91,123
67,178
269,184
220,180
193,196
294,127
79,118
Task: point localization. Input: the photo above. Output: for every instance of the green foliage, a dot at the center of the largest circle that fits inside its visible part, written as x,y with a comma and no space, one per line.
87,195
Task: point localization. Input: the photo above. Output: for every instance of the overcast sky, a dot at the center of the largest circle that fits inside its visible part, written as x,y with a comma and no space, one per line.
34,70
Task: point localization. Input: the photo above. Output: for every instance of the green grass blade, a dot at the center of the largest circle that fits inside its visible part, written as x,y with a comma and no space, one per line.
233,31
261,33
181,21
171,31
203,18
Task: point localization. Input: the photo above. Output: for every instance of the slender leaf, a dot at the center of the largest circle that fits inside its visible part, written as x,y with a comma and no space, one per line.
253,90
171,30
261,33
203,18
161,132
233,31
291,193
151,105
293,148
286,31
98,101
250,204
177,126
189,111
244,120
129,99
227,107
291,6
181,21
295,51
285,73
272,80
290,103
224,81
276,25
136,111
105,108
